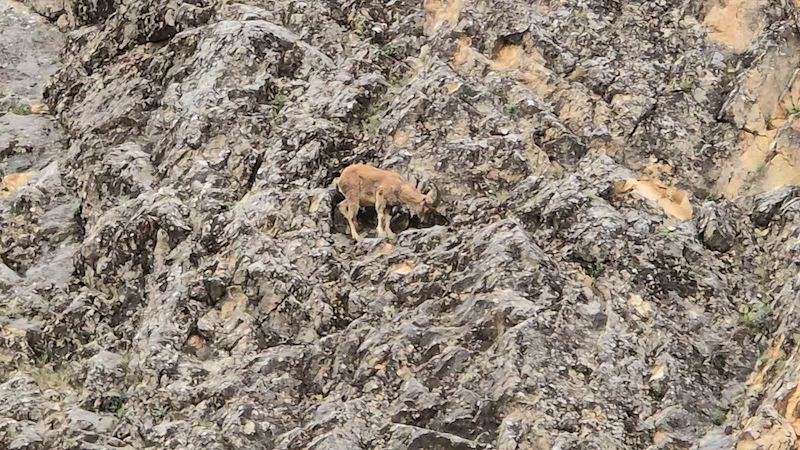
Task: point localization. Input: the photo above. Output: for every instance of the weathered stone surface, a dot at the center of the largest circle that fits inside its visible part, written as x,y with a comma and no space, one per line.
716,225
613,264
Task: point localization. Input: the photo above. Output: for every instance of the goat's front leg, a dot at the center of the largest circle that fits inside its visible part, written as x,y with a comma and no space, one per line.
387,223
350,212
384,218
380,208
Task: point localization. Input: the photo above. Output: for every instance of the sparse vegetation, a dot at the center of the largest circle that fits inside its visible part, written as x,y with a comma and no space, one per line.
160,412
123,199
596,269
20,109
388,49
509,108
656,389
717,416
756,316
279,101
42,359
372,124
686,83
122,398
398,79
48,376
793,109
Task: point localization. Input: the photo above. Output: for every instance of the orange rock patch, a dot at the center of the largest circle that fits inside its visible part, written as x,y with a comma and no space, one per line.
12,182
439,13
673,201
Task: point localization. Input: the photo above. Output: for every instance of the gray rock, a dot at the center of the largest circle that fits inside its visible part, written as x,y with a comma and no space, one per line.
715,226
180,268
768,205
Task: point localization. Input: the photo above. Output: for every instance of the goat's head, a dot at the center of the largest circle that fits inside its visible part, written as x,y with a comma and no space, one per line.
428,202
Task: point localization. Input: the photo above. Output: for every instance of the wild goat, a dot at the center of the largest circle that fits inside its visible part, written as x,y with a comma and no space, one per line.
366,185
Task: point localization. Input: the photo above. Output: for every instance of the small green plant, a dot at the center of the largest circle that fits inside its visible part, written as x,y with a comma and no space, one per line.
54,60
42,360
21,110
398,80
44,309
388,49
656,389
717,416
596,269
756,317
686,83
279,101
372,124
48,376
227,206
663,229
122,395
123,199
395,89
160,412
793,109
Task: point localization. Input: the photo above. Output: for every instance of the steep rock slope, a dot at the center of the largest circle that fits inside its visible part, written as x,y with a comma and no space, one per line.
614,265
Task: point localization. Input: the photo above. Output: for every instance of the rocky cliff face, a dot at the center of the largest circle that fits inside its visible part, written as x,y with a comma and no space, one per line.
613,266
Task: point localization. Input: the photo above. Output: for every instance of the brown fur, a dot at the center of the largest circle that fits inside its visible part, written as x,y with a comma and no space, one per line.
364,185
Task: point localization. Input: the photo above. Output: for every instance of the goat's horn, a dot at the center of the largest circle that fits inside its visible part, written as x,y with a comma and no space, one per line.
434,194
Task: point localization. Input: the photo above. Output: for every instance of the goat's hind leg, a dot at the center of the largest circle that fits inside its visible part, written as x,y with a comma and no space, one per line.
380,209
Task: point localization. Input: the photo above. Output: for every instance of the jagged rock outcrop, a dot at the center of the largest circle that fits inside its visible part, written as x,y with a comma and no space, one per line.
613,265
